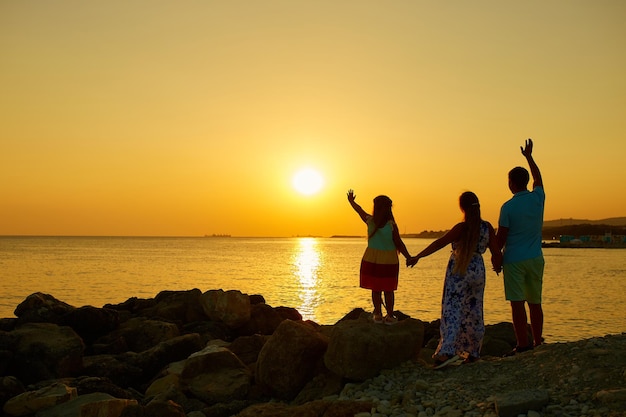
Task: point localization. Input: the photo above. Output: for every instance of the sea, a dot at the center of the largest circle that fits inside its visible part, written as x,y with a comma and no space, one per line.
584,289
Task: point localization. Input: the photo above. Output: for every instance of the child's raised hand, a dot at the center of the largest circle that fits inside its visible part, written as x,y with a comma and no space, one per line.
351,195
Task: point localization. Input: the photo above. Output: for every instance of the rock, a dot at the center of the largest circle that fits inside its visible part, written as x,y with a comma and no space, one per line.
611,396
45,351
7,343
288,313
106,408
247,348
182,306
360,349
140,334
9,388
209,330
322,385
117,368
352,315
41,308
74,406
319,408
224,409
91,322
257,299
31,402
230,307
8,323
288,359
514,403
264,319
91,384
216,375
171,350
494,347
133,305
154,409
163,384
177,396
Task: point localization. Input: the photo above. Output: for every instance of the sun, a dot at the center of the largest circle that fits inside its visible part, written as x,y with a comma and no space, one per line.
307,181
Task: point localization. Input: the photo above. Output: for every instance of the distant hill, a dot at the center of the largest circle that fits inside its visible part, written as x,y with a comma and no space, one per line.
552,229
613,221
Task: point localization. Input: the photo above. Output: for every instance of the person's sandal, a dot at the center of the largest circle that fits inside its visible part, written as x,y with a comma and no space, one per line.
443,362
378,318
517,350
390,320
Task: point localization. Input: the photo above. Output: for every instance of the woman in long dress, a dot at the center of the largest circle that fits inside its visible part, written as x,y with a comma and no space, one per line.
462,325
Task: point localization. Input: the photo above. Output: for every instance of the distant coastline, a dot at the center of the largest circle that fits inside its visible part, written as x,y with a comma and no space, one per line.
562,233
585,245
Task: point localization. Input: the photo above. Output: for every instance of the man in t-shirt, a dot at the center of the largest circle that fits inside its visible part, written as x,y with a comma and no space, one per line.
519,233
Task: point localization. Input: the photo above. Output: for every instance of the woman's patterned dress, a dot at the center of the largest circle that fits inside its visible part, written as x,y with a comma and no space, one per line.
462,326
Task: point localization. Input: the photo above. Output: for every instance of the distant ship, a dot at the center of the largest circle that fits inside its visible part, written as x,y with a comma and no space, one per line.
217,235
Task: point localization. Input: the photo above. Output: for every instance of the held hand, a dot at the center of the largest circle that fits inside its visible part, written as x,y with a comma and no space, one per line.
527,150
351,195
411,261
496,265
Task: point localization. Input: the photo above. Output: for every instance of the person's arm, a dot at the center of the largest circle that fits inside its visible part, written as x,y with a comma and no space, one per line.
527,151
503,232
452,235
397,240
362,213
494,248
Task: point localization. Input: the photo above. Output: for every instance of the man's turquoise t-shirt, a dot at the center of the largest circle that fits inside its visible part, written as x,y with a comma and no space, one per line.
523,216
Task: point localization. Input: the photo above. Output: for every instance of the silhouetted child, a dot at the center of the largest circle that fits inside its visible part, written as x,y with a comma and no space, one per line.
380,266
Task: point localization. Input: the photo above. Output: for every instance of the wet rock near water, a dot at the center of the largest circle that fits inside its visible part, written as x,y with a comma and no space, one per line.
224,353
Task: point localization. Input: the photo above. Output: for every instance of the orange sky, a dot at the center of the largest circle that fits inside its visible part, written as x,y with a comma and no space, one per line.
191,118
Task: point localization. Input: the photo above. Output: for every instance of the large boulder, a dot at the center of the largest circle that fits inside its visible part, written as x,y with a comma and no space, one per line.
10,387
133,305
289,358
7,341
91,384
120,369
41,308
247,348
31,402
112,407
153,360
155,408
181,306
230,307
91,322
216,375
139,334
74,406
264,319
360,349
45,351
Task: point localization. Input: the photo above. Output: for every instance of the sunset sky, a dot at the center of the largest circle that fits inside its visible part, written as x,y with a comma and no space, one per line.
185,118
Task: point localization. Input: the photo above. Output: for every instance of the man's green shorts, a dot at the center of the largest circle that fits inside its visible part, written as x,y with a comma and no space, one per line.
523,280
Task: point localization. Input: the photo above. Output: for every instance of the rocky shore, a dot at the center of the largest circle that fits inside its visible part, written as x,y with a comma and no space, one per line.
224,353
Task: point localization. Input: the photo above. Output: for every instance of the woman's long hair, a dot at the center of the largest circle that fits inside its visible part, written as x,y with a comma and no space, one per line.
382,212
468,244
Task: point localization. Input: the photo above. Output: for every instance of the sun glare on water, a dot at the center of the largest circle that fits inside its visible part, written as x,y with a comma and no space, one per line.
308,181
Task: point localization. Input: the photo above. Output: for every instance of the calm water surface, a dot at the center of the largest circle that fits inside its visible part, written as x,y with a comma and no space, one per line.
584,289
